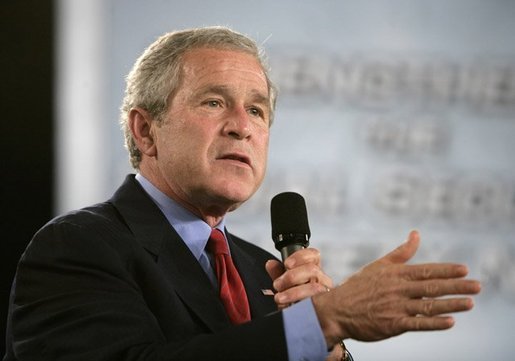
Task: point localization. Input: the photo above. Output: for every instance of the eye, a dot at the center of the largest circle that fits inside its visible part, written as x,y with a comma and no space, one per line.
256,112
213,103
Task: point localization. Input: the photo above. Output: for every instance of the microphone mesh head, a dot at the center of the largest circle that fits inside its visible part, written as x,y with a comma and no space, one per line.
289,215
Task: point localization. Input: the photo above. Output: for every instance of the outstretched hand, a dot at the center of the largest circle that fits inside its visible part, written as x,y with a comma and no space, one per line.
388,297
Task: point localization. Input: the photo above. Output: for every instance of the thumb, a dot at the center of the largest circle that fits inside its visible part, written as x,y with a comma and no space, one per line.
405,251
274,268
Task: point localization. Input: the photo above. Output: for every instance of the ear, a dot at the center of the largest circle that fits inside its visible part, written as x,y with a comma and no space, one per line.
140,123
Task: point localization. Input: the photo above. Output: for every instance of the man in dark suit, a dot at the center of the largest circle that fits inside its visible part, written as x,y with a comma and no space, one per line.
138,278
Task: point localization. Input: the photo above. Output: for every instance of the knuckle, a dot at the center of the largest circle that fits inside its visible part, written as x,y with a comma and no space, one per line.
286,279
313,269
311,255
428,307
426,273
431,289
399,325
282,282
315,252
420,272
277,284
318,288
290,262
417,324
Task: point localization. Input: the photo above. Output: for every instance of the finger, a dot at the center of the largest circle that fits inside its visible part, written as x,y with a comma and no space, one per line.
434,270
426,323
307,273
405,251
435,307
297,293
303,256
438,288
299,276
274,268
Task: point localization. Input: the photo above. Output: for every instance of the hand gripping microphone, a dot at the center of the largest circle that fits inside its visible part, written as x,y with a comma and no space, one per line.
290,228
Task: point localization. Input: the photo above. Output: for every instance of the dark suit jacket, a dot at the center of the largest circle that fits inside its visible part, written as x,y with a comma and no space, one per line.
116,282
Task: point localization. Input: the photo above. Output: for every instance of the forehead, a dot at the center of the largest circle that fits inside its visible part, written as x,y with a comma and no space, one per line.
205,65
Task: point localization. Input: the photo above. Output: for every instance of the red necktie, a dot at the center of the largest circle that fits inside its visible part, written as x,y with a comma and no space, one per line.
232,291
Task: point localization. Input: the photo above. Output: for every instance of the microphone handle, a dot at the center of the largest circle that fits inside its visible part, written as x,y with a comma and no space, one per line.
288,250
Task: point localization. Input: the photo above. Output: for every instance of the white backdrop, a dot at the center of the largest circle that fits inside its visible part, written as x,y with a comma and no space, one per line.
392,115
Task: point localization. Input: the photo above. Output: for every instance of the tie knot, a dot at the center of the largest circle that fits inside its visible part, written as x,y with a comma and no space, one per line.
216,243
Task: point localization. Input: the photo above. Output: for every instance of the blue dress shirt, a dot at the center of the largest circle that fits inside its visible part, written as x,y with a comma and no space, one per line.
304,338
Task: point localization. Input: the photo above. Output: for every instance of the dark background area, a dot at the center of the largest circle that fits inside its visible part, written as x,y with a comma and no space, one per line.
26,99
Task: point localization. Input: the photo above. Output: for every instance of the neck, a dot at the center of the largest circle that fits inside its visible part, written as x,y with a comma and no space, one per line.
210,211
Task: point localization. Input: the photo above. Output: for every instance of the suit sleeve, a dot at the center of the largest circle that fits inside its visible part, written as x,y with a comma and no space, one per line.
76,298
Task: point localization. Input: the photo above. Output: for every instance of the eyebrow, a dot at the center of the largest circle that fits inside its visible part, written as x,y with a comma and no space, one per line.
257,96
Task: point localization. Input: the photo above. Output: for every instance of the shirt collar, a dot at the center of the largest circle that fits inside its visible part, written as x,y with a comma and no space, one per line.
193,230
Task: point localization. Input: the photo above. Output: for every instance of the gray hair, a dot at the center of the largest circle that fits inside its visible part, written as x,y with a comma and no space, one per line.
157,73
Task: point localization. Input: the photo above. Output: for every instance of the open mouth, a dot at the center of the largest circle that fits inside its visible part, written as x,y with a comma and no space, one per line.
237,157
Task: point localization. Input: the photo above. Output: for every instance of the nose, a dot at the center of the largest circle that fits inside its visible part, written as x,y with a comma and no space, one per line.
238,124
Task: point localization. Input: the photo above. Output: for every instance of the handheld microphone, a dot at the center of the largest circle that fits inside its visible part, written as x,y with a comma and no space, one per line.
290,228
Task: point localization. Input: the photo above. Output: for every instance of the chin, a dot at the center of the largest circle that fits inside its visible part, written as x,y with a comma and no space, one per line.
235,199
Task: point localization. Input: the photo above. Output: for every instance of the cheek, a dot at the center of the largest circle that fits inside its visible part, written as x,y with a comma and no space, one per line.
176,151
185,140
262,154
263,145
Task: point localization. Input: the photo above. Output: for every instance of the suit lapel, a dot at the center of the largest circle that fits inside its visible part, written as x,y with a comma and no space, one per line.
183,272
191,282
